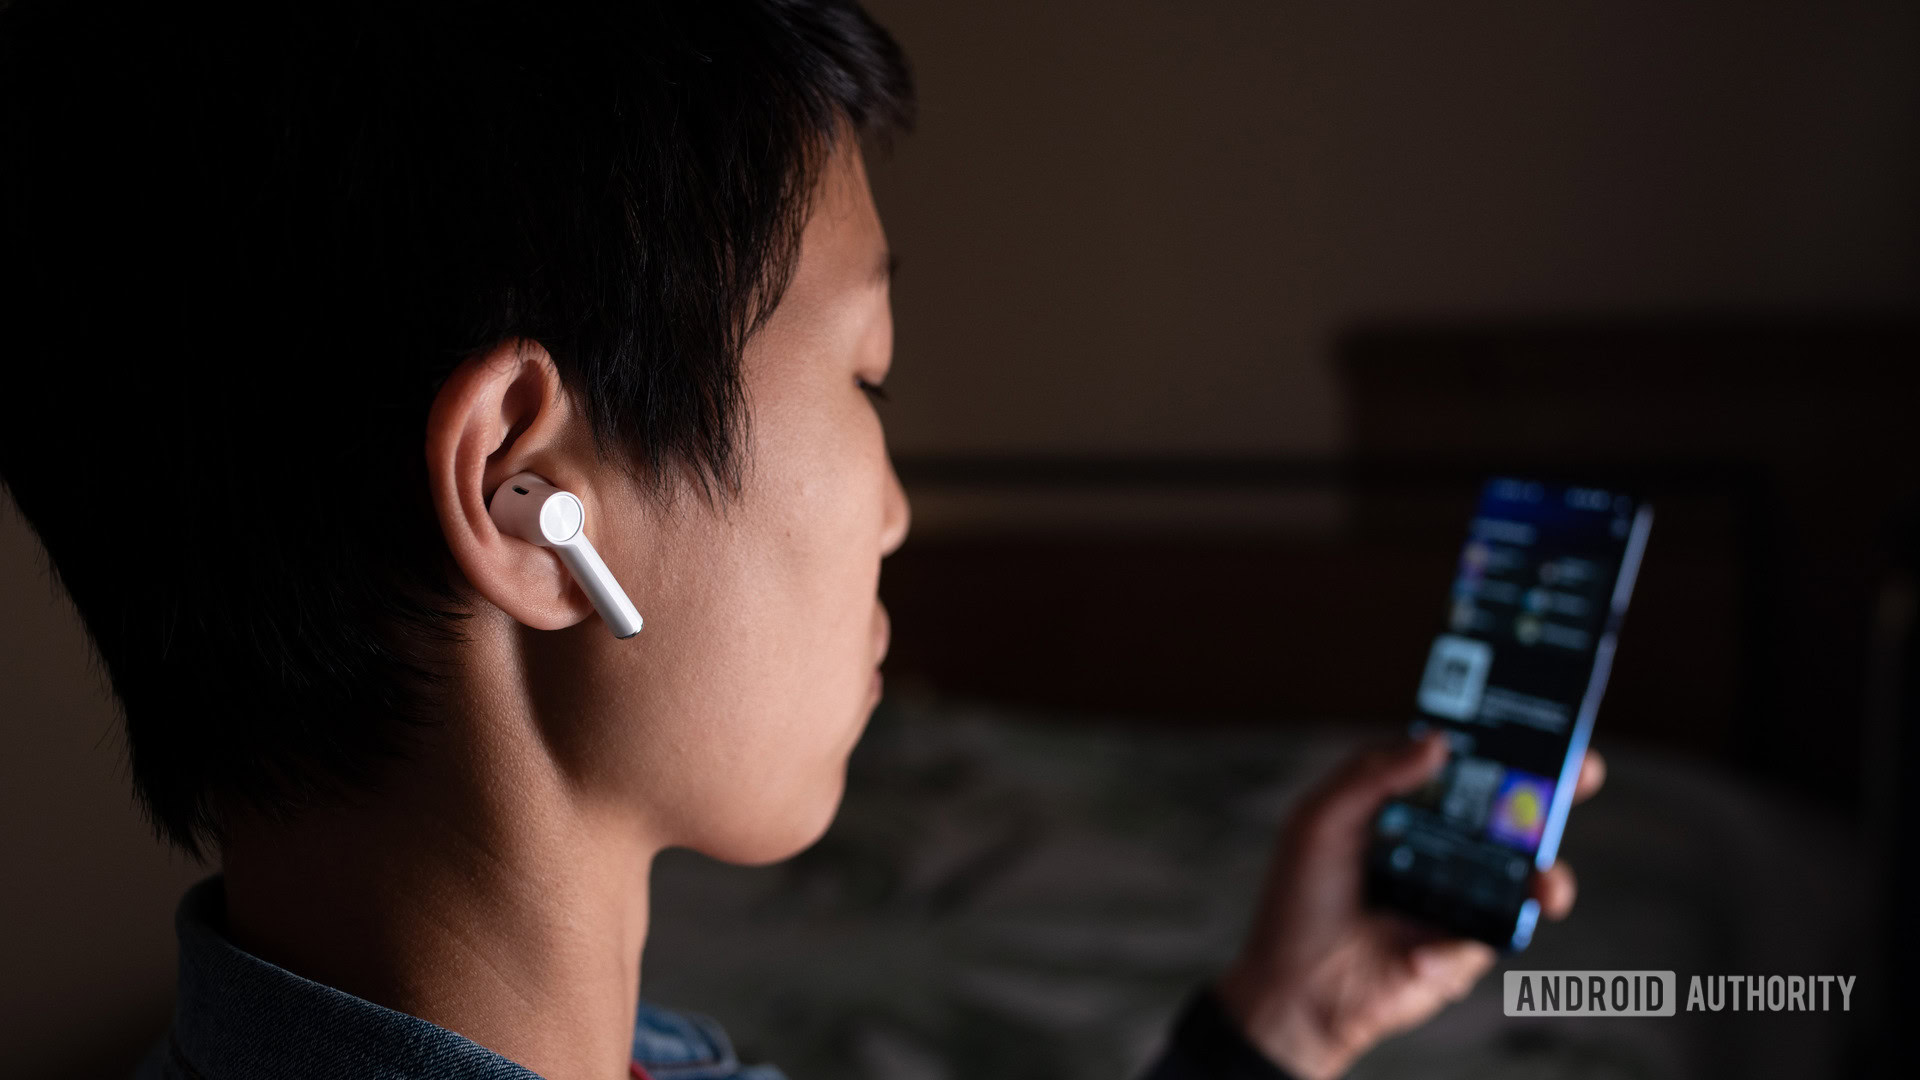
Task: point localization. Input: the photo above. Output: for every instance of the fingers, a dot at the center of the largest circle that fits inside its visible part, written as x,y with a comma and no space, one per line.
1593,773
1555,888
1407,767
1451,966
1356,790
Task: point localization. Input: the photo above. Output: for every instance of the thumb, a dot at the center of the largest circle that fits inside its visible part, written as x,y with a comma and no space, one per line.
1372,777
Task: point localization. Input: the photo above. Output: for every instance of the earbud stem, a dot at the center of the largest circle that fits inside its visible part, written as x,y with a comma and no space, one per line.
612,603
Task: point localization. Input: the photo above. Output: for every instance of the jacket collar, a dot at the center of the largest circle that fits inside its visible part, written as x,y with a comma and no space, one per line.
240,1016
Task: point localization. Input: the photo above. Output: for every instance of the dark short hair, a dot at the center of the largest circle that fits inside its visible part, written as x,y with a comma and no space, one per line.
245,244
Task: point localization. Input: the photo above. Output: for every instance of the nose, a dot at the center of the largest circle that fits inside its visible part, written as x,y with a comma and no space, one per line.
898,515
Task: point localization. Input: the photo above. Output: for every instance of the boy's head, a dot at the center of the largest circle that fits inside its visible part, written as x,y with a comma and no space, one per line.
289,287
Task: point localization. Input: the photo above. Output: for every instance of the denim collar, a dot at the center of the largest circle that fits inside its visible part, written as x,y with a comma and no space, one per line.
240,1016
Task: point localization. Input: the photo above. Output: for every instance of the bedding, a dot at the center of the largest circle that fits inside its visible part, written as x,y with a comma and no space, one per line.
1012,894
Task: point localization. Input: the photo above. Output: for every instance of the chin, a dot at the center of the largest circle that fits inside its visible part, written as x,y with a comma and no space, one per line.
791,819
785,832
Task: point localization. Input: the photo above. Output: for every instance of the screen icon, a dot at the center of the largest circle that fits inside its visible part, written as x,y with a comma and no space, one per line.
1456,676
1520,810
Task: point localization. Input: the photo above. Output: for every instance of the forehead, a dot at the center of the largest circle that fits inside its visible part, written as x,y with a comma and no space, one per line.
843,246
837,290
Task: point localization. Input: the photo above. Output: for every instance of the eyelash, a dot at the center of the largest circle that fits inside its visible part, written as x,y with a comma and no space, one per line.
871,389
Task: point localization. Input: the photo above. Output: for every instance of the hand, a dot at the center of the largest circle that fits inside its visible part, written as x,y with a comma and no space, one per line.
1322,977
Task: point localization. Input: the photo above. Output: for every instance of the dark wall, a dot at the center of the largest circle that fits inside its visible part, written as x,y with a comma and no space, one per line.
1136,226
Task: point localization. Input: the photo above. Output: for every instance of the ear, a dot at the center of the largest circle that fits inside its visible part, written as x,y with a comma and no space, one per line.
503,412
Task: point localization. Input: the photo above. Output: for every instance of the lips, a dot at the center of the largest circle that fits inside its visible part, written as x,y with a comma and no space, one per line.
882,634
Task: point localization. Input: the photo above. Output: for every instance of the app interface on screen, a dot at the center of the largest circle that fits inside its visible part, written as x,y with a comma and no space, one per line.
1530,602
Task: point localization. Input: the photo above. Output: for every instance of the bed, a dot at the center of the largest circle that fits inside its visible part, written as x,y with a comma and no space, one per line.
1017,894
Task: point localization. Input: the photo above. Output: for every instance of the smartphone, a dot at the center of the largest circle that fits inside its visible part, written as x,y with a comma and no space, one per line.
1515,680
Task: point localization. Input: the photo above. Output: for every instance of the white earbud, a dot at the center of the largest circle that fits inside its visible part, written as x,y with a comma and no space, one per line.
536,511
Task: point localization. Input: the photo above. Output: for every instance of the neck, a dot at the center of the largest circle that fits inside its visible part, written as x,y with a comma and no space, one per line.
484,895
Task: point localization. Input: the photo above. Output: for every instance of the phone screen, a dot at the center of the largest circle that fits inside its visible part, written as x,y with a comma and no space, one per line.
1515,679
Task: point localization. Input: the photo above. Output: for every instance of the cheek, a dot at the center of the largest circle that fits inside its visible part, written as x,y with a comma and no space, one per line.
819,544
812,602
761,667
831,559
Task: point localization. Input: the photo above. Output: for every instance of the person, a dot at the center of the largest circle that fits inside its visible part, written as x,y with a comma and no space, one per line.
291,288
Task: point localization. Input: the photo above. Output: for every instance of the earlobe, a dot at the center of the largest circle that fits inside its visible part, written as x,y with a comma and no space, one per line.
498,413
